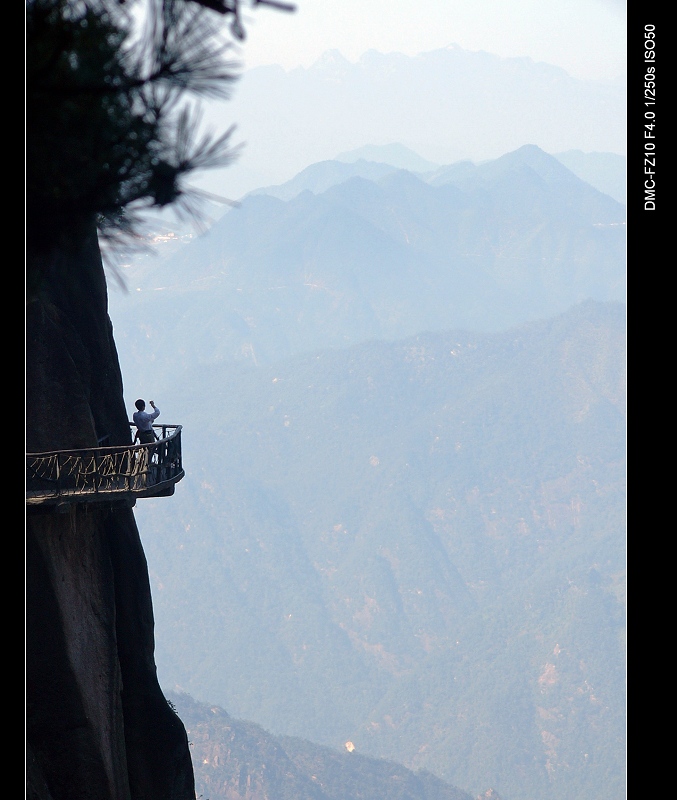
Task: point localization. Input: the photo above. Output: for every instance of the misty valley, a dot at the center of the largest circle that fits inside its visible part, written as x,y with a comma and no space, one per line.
395,567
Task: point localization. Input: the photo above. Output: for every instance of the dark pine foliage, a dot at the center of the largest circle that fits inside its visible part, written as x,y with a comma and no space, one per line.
112,92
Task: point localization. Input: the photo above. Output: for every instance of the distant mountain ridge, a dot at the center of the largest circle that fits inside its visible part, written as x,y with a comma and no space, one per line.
447,105
317,178
604,171
487,246
394,153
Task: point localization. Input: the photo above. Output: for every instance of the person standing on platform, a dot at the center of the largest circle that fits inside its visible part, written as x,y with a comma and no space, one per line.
144,422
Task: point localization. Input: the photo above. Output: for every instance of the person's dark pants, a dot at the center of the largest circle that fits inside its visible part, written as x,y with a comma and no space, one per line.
146,437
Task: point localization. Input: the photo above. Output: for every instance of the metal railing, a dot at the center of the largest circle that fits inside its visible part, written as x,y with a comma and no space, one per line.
106,473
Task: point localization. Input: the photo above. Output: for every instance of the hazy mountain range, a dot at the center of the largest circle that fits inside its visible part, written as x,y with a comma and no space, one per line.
476,246
446,105
417,546
402,523
606,172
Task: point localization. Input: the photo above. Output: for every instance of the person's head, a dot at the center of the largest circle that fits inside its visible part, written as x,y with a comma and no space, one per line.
140,405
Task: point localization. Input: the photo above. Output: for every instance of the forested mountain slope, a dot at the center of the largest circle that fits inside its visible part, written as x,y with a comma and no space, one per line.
236,760
415,545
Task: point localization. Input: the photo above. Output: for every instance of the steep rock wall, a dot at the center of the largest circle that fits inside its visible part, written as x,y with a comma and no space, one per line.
98,726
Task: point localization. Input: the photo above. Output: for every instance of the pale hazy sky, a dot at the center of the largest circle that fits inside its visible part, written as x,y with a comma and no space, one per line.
585,37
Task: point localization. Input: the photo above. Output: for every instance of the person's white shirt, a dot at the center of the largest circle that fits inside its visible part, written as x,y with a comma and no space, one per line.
144,421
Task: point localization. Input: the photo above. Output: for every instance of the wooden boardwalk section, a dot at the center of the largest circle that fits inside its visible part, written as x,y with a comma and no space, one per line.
106,474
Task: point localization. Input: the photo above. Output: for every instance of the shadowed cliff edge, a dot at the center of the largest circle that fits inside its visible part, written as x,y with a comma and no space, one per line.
98,726
112,128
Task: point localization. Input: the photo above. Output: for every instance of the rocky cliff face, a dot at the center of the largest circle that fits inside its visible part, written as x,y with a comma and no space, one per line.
98,726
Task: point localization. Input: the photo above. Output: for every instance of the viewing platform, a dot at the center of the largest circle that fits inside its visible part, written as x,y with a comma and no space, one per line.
106,474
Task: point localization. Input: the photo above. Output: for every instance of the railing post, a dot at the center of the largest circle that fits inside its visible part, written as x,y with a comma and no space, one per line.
165,465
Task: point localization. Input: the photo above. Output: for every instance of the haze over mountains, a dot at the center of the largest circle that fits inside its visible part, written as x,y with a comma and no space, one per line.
393,153
416,546
605,171
446,105
476,246
402,524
